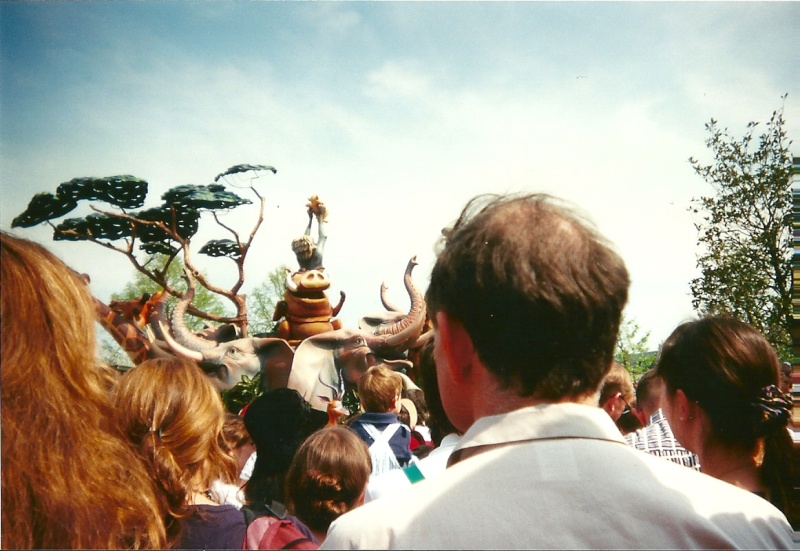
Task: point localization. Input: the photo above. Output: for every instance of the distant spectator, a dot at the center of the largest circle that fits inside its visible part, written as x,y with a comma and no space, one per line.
240,446
171,412
379,391
616,392
656,437
724,404
434,462
327,477
278,422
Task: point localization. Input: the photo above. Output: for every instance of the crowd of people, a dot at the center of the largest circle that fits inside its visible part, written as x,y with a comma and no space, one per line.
518,418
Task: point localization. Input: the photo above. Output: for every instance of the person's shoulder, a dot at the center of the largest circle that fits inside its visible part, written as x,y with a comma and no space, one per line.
386,483
707,495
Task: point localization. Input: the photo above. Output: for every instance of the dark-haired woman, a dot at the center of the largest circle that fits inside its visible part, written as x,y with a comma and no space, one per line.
723,402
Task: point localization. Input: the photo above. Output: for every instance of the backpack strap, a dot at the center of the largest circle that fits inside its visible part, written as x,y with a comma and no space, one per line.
381,436
383,457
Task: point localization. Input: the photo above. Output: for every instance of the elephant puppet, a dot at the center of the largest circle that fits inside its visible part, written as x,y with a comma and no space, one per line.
305,308
344,354
227,362
335,359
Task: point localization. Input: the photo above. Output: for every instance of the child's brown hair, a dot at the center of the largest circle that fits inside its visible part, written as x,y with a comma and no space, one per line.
378,388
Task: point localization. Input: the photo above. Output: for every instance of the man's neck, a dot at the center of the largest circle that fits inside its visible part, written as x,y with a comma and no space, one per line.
497,402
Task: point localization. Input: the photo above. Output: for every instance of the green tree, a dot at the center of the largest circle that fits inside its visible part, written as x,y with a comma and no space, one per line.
262,300
745,229
631,350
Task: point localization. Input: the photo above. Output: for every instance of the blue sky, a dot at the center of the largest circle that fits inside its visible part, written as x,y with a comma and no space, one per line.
395,114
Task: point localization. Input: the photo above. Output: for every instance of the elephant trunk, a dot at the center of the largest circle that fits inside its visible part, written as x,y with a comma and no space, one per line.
407,329
417,306
386,302
183,336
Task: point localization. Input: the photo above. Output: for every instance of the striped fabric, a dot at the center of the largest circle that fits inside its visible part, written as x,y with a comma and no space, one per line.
657,439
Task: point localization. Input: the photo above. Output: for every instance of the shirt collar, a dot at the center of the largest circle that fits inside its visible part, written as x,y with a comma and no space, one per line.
545,421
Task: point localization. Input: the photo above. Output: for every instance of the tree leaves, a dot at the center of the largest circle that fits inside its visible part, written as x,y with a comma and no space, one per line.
222,247
165,230
42,207
184,221
96,225
122,191
127,192
210,197
744,229
236,169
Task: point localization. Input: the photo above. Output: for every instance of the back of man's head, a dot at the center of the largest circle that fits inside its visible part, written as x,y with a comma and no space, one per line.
649,390
539,291
379,389
617,380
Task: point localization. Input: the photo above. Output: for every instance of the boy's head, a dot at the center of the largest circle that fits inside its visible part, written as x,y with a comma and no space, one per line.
379,389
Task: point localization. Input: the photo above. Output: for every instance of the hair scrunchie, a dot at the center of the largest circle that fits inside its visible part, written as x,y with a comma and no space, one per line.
773,410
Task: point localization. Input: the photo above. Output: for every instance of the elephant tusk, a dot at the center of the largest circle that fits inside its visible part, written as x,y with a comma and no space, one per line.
178,348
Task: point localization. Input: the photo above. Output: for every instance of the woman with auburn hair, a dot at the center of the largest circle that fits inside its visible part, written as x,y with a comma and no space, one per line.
724,404
69,478
172,413
328,477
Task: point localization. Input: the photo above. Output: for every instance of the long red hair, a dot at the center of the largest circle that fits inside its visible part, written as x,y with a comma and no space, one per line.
69,478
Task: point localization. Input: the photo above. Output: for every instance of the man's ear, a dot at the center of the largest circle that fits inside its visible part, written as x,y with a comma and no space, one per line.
640,416
609,404
456,345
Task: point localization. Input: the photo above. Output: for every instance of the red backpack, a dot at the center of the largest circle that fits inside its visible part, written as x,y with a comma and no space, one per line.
273,533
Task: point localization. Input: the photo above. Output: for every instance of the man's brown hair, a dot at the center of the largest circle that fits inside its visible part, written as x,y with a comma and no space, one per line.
539,291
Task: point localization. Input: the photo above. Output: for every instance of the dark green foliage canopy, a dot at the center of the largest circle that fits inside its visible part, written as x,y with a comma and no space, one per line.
127,192
236,169
100,226
42,207
123,191
180,212
210,197
222,247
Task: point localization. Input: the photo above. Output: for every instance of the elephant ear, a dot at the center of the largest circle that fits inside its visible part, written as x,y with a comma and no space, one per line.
276,358
314,366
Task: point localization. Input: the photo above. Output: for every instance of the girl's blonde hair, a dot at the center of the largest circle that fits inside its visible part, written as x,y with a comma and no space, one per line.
69,478
172,413
328,476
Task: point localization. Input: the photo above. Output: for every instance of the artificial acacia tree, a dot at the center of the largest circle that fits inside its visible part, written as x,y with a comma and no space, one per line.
165,230
745,229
